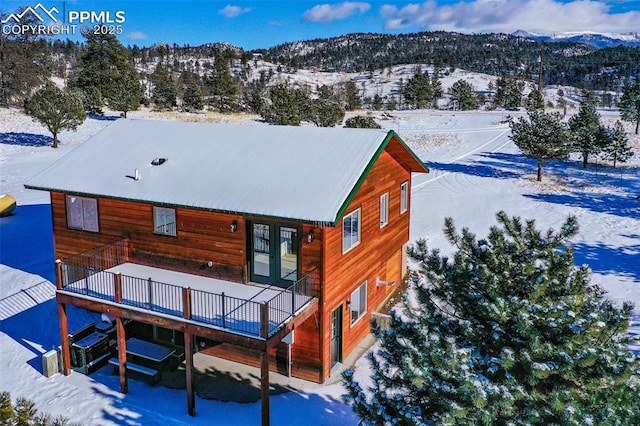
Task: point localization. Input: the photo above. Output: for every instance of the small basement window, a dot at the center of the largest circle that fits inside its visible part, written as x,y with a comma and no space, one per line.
159,161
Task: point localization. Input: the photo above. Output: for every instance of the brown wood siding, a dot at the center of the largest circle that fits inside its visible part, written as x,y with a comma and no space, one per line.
378,255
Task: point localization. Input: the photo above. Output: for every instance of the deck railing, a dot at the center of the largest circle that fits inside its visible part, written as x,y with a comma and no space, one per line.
259,319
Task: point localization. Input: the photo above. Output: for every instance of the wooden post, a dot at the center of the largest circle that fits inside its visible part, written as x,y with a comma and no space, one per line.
127,249
64,339
122,355
59,283
264,320
121,336
188,352
264,365
264,387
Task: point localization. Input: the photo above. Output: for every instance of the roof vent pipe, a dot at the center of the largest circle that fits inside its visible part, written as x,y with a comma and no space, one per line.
136,176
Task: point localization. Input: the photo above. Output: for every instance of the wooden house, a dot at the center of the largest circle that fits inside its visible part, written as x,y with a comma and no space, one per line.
274,244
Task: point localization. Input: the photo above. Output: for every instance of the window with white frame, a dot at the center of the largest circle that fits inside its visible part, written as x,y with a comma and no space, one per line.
82,213
358,303
351,230
404,197
384,209
164,221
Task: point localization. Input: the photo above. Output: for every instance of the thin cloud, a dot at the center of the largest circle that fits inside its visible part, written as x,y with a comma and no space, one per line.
510,15
233,11
330,12
137,35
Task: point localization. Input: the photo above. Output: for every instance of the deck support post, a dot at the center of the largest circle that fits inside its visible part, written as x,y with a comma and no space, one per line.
264,364
64,324
64,339
264,387
121,336
188,353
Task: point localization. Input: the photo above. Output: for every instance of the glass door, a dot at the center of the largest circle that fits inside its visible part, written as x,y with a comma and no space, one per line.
274,254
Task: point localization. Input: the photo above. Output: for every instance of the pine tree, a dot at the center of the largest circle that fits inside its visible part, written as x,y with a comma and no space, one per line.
55,109
164,88
535,101
220,83
463,95
506,331
283,108
361,122
418,91
542,137
126,92
106,74
630,103
192,97
618,149
353,100
586,130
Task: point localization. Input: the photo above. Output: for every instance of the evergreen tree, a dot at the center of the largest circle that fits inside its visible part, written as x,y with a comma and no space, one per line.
220,83
361,122
463,95
535,102
418,91
25,63
164,88
630,103
508,93
542,137
105,73
586,132
283,108
126,93
377,102
324,112
436,89
192,97
506,331
55,109
353,100
618,149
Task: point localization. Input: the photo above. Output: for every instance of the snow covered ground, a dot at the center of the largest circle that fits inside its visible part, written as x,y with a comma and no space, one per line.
475,172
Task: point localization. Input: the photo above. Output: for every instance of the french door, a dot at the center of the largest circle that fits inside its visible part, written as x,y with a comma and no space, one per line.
274,254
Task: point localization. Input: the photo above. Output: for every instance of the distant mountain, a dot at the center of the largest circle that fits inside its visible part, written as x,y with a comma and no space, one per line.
597,40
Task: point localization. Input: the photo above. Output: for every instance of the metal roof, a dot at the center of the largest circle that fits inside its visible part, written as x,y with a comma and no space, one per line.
300,173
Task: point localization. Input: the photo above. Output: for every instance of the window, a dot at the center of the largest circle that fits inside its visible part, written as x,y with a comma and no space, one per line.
404,197
164,221
384,209
358,303
350,230
82,213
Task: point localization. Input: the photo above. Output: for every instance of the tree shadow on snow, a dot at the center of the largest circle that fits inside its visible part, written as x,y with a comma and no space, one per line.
615,204
25,139
474,169
606,259
101,117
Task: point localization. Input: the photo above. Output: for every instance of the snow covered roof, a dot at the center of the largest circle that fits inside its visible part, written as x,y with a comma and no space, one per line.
301,173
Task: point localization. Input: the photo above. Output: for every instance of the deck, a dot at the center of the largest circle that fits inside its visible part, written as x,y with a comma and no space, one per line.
253,310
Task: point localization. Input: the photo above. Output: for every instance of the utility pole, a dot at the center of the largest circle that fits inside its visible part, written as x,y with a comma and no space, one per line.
540,72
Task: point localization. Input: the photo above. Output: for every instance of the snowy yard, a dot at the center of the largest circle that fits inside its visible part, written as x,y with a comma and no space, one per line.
475,172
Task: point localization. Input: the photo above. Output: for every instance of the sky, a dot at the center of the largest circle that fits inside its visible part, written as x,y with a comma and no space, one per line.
263,24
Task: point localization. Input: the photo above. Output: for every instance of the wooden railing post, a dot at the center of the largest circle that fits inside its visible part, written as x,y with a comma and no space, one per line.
224,311
264,320
59,283
127,249
150,286
117,287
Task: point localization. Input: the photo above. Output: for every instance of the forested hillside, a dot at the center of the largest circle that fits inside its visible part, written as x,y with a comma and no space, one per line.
570,64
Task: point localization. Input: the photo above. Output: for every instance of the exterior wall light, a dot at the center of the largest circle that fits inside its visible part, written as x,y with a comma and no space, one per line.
234,226
310,236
